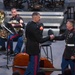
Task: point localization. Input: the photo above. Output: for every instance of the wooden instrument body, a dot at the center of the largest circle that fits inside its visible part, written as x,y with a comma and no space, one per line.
21,60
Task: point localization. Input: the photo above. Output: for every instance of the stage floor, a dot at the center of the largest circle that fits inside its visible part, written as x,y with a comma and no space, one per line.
57,51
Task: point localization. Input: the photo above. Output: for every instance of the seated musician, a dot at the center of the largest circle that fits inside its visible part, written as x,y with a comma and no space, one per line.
15,21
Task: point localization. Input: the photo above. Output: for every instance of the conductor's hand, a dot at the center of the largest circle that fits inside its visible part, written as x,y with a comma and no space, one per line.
52,37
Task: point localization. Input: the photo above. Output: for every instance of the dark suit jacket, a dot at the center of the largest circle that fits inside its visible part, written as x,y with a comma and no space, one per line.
69,37
34,37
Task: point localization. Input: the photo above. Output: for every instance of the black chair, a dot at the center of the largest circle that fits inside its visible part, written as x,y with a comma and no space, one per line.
50,32
47,47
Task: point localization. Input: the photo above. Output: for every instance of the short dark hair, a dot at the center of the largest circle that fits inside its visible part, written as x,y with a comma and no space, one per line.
13,9
72,22
35,13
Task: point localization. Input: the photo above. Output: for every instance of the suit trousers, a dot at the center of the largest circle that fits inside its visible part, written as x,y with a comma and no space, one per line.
68,62
33,65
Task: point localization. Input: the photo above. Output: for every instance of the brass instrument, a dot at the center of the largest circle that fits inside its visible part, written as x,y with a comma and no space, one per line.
17,27
2,16
3,32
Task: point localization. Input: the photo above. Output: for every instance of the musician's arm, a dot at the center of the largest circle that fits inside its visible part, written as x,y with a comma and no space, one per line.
22,24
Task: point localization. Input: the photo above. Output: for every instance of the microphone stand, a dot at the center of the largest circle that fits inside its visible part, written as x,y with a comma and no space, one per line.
3,26
24,39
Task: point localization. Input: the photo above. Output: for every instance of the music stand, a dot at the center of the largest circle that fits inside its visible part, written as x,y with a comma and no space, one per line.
3,26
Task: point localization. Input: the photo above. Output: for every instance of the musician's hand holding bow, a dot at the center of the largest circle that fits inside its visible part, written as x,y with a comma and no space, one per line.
21,22
13,24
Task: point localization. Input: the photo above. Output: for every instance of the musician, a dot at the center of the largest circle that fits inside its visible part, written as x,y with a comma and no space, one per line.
16,35
69,52
33,39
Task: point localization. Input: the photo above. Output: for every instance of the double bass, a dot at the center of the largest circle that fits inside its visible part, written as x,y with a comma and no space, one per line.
21,60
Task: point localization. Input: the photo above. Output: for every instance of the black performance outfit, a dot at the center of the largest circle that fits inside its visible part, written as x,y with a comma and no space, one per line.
69,51
34,37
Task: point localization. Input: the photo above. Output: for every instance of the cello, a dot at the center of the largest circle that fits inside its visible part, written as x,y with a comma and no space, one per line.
21,60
